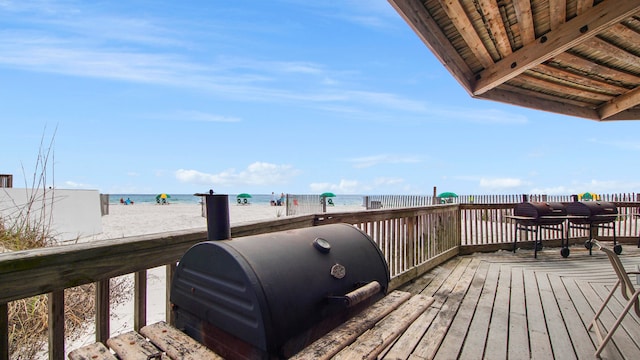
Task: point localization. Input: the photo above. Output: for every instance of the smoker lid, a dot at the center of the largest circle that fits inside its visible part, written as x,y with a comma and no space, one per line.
265,289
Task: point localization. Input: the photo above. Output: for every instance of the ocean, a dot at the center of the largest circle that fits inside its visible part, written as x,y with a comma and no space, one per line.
262,199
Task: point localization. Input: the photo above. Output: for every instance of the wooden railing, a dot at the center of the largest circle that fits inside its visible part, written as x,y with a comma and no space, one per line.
486,227
413,241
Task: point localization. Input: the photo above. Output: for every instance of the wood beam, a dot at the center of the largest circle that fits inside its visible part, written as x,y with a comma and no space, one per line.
583,5
491,13
565,75
631,114
620,103
612,51
557,13
568,35
416,16
525,20
462,23
533,102
578,64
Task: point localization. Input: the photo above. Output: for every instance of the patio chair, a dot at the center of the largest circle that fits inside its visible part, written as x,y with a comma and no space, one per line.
629,293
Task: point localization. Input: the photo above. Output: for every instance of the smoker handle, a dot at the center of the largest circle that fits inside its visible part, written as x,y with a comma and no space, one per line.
358,295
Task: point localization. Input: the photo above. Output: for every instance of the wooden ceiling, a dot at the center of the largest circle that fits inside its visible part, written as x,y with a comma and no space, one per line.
573,57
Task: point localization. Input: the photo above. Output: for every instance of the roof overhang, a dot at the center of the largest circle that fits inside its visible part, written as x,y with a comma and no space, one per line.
573,57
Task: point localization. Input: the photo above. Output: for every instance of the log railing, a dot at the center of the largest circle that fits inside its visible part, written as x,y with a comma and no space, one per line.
413,241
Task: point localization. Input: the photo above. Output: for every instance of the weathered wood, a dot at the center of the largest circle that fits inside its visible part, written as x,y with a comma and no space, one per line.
140,300
406,343
95,351
518,346
581,341
170,270
560,341
177,344
4,331
33,272
55,304
474,345
132,346
371,343
499,329
448,298
345,334
452,344
103,311
538,334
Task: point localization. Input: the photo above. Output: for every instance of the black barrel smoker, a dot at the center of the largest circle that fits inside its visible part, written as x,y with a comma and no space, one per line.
268,296
592,215
534,216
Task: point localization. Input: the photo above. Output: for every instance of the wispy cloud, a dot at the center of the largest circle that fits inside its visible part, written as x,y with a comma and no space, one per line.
196,116
370,161
633,145
501,183
343,187
483,116
258,173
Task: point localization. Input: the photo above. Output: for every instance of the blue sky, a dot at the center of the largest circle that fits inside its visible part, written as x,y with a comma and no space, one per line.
259,96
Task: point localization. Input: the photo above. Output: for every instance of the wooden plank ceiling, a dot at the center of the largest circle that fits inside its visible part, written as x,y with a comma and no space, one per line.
573,57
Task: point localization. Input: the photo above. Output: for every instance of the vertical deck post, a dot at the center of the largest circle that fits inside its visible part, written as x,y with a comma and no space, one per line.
4,331
56,324
102,311
140,300
170,270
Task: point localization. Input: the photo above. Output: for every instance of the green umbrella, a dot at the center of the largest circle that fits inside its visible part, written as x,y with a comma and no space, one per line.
588,196
163,196
448,195
244,196
328,194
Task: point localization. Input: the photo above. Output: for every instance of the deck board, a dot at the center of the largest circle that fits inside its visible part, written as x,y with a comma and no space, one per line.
518,346
506,305
511,305
452,344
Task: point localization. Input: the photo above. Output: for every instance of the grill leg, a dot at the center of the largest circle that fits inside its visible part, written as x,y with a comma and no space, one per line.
591,237
564,240
536,242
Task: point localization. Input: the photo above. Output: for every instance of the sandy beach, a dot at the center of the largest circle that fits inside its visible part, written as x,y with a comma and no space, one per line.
142,219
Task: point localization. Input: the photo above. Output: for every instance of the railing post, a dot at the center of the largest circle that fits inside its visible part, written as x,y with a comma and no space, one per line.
102,311
56,324
170,270
411,241
140,300
4,331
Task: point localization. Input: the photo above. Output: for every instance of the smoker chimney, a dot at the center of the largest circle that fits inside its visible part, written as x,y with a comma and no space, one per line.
218,225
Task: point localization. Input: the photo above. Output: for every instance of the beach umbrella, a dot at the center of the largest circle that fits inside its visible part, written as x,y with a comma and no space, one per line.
327,194
448,195
163,196
244,196
588,196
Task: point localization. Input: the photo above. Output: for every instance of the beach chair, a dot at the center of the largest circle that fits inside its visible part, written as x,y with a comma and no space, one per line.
629,293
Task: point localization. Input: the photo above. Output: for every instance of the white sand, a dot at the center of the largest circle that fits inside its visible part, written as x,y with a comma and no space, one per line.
141,219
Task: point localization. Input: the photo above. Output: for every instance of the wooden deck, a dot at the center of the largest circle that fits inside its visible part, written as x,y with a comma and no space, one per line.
508,305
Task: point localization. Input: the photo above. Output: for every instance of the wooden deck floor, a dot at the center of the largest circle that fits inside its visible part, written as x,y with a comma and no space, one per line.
508,305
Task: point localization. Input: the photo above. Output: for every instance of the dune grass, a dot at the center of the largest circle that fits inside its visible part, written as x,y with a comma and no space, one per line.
27,226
